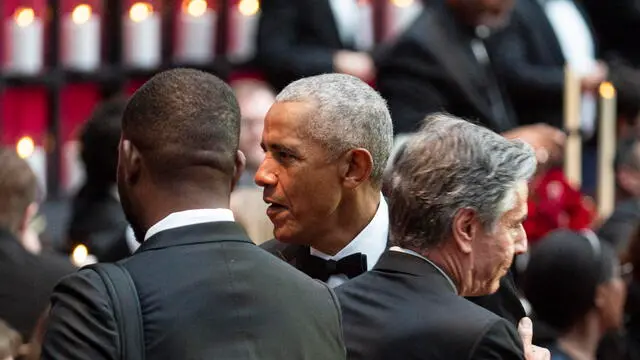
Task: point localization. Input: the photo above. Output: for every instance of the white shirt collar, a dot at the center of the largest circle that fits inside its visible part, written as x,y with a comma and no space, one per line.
371,241
189,217
411,252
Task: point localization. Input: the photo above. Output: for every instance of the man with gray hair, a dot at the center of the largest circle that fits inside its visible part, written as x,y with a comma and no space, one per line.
457,200
327,139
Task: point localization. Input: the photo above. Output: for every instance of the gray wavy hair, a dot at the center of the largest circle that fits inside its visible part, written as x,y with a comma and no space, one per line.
449,165
348,114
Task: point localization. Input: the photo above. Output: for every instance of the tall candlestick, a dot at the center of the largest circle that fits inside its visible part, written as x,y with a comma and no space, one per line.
400,15
573,148
24,43
196,33
244,19
142,37
365,36
606,151
81,39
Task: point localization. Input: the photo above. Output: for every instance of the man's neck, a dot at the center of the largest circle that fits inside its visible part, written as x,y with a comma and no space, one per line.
448,265
350,220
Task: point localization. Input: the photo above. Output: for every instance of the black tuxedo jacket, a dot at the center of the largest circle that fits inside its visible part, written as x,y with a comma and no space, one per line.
529,60
206,292
26,283
406,309
297,39
431,68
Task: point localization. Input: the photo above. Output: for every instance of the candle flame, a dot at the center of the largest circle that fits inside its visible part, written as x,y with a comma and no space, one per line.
81,14
140,11
25,147
80,255
196,8
24,16
249,7
607,90
402,3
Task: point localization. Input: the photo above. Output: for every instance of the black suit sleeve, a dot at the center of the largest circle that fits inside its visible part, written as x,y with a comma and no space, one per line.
408,78
278,47
500,341
524,78
81,324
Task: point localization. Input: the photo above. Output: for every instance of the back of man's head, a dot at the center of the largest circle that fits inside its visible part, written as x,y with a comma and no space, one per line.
347,114
18,190
449,165
185,124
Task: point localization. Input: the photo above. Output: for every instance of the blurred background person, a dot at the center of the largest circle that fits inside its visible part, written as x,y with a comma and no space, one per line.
574,284
254,98
619,227
97,220
631,262
303,38
26,279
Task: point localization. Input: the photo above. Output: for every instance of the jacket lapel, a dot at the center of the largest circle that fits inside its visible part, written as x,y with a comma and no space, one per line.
435,33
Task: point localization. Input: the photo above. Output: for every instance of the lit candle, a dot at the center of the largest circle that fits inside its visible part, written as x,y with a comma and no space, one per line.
573,147
24,41
80,256
400,14
196,33
244,19
142,37
606,150
81,39
365,36
35,156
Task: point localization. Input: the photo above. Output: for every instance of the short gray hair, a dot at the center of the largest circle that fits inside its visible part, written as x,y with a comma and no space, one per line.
348,114
449,165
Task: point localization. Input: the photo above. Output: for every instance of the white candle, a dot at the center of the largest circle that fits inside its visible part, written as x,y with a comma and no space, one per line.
606,151
573,147
400,15
196,34
365,36
244,19
142,34
36,157
24,43
81,39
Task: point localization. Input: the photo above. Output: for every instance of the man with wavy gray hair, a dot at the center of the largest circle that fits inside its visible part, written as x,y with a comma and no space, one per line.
327,139
458,197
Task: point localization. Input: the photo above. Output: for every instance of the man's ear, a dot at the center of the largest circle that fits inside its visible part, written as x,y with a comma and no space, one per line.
465,227
357,166
132,161
240,165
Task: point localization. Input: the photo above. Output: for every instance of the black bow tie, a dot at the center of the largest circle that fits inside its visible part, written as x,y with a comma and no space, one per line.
351,266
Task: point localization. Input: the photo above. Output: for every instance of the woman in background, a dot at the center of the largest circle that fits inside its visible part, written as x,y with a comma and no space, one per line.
574,285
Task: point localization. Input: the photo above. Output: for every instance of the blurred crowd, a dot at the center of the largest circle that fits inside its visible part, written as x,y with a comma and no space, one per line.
497,63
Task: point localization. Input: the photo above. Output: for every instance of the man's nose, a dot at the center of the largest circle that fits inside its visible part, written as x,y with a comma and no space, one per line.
265,175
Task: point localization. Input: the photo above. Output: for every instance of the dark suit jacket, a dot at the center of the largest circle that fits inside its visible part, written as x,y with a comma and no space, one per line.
431,68
619,227
206,292
617,24
26,283
406,309
528,58
297,39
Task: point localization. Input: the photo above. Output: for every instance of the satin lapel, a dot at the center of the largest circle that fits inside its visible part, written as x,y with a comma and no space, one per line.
324,14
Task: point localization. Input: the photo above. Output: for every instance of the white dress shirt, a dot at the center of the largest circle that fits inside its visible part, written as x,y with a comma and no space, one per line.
411,252
346,15
371,241
189,217
578,48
